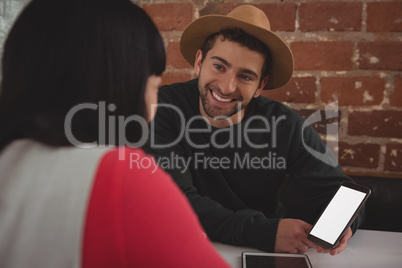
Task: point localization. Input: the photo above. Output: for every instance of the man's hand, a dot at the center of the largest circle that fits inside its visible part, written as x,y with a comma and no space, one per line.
342,245
291,236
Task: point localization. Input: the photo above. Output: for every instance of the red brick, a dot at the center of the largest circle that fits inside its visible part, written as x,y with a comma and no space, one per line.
170,78
322,55
393,157
376,124
281,16
174,57
395,97
298,90
170,16
365,155
380,56
384,16
217,8
321,125
352,90
327,16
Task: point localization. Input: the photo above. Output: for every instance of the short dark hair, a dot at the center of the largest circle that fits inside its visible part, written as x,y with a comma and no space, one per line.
239,36
61,53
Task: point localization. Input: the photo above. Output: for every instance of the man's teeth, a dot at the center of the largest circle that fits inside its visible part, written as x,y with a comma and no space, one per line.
219,98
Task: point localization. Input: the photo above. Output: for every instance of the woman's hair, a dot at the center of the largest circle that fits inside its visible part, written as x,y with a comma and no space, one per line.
63,53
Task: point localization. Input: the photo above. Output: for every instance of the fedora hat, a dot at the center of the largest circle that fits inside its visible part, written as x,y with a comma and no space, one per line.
252,21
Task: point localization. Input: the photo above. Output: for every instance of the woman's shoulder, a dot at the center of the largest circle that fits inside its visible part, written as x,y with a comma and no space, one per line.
130,159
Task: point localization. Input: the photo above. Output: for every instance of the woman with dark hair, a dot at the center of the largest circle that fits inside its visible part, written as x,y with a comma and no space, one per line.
79,78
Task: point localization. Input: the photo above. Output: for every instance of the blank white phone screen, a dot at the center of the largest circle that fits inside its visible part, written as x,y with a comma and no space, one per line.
337,214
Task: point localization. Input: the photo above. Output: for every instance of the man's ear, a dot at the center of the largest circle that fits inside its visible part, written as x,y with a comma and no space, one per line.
197,63
261,87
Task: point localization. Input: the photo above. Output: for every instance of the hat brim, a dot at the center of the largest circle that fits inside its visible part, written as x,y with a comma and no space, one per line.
197,32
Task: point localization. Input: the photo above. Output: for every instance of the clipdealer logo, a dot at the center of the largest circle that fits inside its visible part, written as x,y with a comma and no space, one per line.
270,161
329,158
201,161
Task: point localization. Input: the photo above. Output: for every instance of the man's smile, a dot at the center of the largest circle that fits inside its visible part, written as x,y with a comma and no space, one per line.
219,98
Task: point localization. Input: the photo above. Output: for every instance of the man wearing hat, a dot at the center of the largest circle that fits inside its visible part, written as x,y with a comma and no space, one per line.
230,149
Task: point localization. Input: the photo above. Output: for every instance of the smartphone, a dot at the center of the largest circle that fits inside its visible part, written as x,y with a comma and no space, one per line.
339,214
274,260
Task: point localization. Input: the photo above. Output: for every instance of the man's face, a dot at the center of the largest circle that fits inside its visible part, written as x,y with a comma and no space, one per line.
229,77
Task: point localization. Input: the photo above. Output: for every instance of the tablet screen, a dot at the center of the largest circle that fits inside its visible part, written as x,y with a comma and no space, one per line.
275,260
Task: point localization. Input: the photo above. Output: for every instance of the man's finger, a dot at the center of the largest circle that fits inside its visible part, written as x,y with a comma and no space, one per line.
322,250
342,245
306,226
302,248
308,243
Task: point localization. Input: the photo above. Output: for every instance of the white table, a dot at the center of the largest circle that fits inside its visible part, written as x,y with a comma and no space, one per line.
366,249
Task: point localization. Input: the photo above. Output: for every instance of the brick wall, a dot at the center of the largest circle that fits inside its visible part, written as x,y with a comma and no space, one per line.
345,51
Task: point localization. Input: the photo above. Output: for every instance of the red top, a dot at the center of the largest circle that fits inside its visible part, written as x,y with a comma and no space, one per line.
138,217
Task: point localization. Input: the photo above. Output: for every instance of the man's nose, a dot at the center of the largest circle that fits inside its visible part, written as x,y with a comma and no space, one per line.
228,84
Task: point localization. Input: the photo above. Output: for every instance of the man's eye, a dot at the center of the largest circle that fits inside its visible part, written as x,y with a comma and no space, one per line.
218,67
245,77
